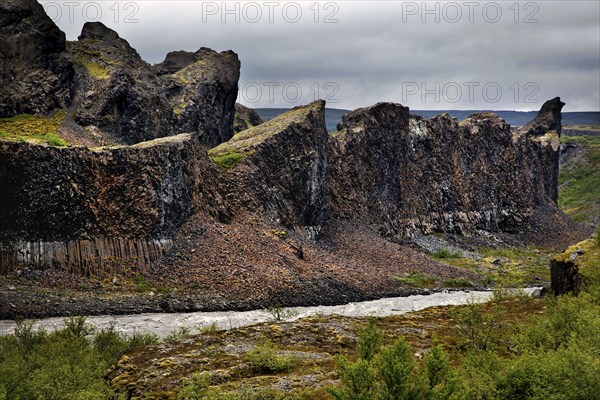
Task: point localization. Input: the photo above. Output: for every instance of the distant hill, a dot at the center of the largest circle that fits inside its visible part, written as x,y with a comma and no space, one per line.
515,118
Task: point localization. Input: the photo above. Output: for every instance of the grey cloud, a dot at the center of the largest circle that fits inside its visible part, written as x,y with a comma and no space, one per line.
371,54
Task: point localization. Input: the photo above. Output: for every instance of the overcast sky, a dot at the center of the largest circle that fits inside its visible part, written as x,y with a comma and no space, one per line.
435,55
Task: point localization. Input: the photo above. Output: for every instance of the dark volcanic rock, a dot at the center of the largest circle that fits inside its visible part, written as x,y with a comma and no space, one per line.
245,118
112,95
35,77
548,119
407,174
202,95
283,168
146,190
174,61
124,99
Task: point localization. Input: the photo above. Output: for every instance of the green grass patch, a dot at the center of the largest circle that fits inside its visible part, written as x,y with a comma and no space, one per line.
416,279
35,129
445,253
265,358
579,180
458,283
227,160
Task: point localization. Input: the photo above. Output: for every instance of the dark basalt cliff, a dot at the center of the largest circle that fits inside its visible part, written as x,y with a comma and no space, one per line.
97,209
36,76
169,204
281,168
407,174
112,96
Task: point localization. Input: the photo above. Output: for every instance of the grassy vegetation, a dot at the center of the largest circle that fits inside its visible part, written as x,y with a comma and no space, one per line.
505,267
445,253
458,283
36,129
93,68
227,160
265,358
579,180
416,279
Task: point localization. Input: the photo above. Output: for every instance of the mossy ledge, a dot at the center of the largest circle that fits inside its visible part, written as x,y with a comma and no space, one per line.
34,129
245,143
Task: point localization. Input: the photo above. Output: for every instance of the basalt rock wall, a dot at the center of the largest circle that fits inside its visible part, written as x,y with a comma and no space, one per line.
85,209
406,174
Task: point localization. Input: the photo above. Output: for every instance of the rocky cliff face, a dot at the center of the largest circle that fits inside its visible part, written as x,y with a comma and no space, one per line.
146,190
101,210
280,168
64,205
112,95
407,174
35,74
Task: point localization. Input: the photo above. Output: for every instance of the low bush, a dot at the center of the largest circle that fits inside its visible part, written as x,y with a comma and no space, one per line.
265,358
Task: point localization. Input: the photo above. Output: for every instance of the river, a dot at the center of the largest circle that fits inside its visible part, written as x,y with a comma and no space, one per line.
162,324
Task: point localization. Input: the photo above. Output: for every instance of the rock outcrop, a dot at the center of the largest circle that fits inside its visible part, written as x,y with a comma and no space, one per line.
79,205
202,94
280,168
245,118
406,174
35,74
111,95
125,99
574,268
548,119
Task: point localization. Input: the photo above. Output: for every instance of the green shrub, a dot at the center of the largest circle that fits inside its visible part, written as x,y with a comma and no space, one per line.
64,364
396,367
195,388
569,373
265,359
77,327
279,313
391,373
476,327
370,339
359,381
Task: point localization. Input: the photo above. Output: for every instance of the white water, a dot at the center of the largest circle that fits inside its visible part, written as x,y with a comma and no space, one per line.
163,324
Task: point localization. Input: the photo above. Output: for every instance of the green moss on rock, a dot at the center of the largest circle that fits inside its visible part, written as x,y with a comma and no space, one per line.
35,129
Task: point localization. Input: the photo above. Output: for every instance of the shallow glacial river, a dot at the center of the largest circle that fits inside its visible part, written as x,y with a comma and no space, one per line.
163,324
